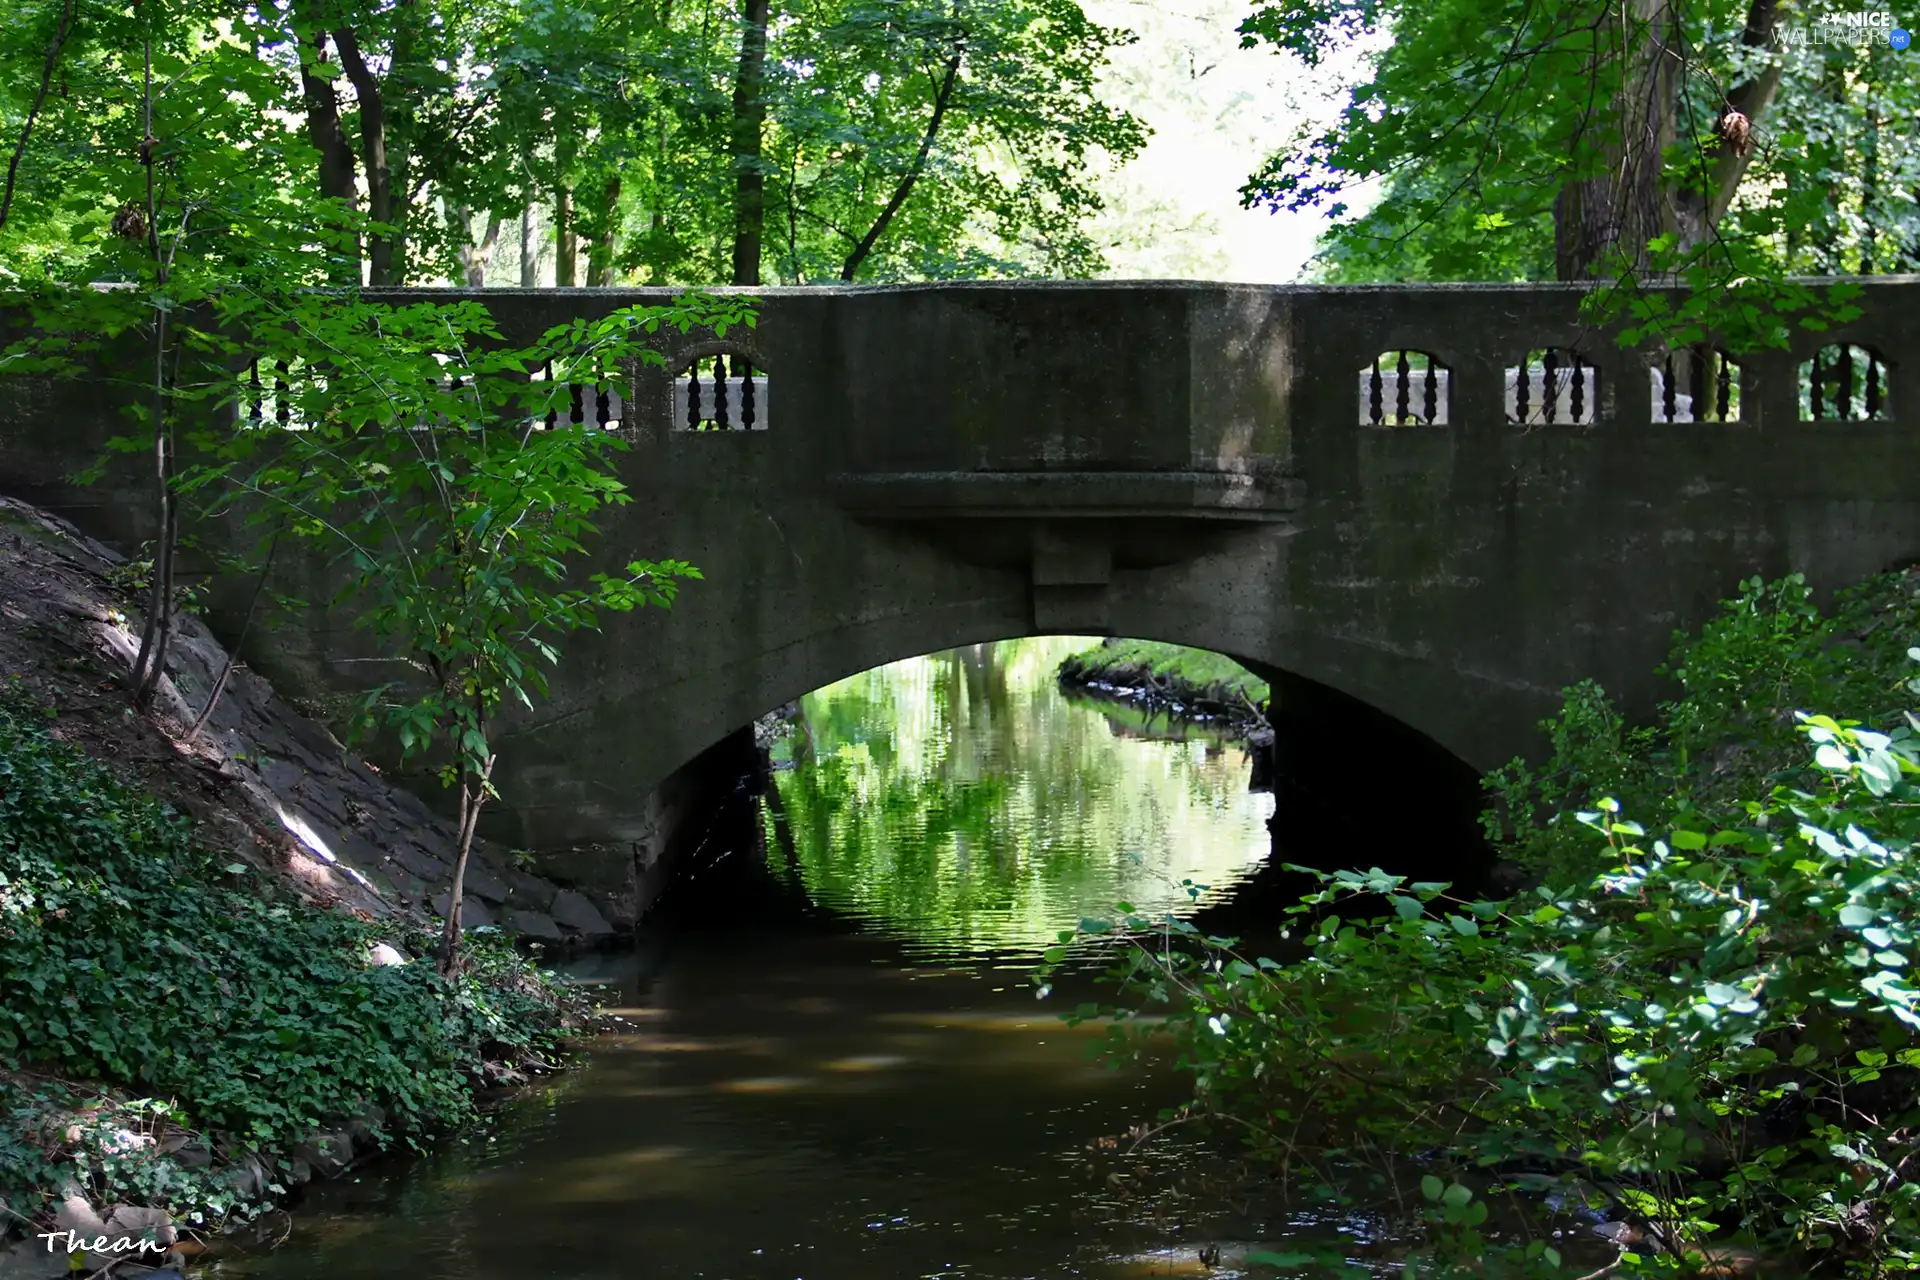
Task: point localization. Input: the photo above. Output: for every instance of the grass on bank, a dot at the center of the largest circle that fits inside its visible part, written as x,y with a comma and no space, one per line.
168,1015
1199,672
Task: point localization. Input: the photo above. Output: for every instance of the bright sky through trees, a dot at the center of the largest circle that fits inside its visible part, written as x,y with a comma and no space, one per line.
1216,110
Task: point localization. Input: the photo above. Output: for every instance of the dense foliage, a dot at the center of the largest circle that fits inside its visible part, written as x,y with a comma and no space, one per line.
130,954
649,143
1698,1019
1725,140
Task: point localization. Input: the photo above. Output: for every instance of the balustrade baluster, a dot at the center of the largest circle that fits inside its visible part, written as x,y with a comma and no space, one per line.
1667,401
720,391
1846,382
1549,385
746,393
1402,386
693,396
1580,368
1696,384
602,407
1433,391
1725,403
253,385
282,411
1873,385
1816,394
553,417
576,404
1375,414
1522,380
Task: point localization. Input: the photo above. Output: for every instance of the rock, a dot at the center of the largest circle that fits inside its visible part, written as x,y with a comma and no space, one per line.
360,851
529,893
473,912
384,953
363,1131
601,870
572,911
186,1149
418,861
536,925
328,1152
136,1223
75,1214
280,775
483,883
30,1259
248,1178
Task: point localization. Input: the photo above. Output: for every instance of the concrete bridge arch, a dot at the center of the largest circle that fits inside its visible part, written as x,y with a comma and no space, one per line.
1247,469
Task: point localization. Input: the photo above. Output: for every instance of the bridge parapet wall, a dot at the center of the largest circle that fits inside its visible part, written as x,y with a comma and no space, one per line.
1217,465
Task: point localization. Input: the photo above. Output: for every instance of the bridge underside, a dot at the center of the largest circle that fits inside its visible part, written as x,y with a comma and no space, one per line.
1202,464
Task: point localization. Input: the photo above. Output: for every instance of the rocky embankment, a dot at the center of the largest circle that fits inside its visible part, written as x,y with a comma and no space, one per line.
261,780
102,1139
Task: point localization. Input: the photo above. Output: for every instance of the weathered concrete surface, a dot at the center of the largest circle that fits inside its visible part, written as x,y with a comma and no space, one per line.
961,463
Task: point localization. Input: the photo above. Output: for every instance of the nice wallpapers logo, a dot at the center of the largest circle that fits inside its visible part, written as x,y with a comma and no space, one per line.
1859,28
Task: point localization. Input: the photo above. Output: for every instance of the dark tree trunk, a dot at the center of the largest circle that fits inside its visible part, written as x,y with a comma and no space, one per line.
373,154
33,112
1610,217
600,249
1701,207
1615,214
330,140
749,127
565,245
942,98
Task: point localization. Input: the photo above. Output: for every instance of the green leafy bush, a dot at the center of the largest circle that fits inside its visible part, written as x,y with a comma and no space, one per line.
1711,1033
130,956
1731,735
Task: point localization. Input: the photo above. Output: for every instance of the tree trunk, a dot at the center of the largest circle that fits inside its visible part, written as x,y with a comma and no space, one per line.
473,794
601,249
330,140
373,154
1870,181
155,635
39,100
942,97
475,258
749,126
1609,218
565,245
1700,207
529,247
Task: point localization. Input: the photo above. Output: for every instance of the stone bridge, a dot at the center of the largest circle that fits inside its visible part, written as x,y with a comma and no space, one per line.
1446,503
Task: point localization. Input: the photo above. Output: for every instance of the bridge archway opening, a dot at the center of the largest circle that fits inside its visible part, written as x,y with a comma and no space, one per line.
1352,786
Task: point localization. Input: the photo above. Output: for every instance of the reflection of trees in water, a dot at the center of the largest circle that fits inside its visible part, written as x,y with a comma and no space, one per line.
961,799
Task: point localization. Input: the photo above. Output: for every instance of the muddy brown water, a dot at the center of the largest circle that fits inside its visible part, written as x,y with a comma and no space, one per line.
869,1089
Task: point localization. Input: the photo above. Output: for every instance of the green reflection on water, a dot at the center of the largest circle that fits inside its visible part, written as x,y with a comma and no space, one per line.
960,802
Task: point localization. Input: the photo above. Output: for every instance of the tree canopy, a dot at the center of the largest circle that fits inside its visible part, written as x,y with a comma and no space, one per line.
667,141
1573,139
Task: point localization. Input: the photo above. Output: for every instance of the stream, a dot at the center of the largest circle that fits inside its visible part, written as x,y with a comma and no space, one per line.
864,1086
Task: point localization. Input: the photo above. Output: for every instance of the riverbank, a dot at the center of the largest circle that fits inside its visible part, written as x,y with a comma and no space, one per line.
1748,852
1171,680
216,945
